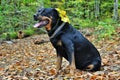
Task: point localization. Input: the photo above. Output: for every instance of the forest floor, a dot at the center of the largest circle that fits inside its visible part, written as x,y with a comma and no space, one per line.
24,60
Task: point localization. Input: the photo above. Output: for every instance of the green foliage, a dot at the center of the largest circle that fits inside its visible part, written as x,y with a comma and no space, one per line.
9,35
17,15
3,36
13,35
104,30
83,23
29,32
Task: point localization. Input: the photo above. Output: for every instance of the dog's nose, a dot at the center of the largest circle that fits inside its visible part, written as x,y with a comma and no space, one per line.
35,17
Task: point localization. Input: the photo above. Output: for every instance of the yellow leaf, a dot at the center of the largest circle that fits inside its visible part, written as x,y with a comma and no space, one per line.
63,15
80,0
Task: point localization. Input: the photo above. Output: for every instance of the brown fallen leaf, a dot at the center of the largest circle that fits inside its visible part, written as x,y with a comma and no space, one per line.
105,62
52,71
118,52
78,78
24,78
1,69
93,77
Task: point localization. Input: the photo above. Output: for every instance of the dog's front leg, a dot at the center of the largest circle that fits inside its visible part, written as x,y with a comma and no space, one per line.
58,62
72,64
70,53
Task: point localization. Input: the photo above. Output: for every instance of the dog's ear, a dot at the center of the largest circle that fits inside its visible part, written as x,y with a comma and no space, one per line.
55,13
41,10
54,9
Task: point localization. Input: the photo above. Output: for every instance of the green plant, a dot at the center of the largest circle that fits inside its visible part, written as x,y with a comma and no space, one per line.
13,35
104,30
8,35
28,32
3,36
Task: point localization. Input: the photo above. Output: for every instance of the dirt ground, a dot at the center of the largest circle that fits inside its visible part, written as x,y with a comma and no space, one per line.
22,59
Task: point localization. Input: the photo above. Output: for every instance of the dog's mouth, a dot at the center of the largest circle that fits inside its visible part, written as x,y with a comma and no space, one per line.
41,23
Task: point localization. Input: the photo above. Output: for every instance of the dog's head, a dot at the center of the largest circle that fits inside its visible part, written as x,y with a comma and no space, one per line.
47,17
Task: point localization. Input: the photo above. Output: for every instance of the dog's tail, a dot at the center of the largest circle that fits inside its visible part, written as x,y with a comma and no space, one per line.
94,66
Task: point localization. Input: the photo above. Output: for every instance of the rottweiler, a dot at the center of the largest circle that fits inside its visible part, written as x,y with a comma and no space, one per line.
68,42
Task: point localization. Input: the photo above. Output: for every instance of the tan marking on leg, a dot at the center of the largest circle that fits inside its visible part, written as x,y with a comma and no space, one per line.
59,43
90,67
59,62
72,65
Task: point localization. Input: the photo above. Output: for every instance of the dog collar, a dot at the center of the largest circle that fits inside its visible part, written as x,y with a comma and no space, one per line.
56,25
58,29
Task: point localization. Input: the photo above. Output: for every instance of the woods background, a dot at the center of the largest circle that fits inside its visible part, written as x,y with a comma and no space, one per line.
102,15
27,59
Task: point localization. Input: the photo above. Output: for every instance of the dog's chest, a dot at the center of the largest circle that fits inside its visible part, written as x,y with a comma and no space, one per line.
57,42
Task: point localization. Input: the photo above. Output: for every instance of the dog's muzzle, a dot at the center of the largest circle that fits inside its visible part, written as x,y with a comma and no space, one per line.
35,17
43,21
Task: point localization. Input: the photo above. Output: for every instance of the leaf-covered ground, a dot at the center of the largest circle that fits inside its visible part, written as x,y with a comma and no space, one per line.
24,60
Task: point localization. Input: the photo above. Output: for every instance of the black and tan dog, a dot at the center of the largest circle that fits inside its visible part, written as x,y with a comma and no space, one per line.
68,42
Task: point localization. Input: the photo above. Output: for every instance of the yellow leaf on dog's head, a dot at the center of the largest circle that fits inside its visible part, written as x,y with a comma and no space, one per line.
63,15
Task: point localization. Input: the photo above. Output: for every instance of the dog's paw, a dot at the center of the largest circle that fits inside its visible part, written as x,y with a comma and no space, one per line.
70,70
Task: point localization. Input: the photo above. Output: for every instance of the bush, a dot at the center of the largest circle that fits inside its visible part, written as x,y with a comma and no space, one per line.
3,36
28,32
104,30
13,35
8,35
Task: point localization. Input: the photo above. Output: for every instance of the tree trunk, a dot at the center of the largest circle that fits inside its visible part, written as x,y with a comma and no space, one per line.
97,9
115,10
